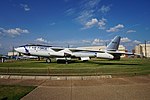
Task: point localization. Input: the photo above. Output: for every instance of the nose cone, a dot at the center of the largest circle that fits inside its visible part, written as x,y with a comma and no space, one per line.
20,49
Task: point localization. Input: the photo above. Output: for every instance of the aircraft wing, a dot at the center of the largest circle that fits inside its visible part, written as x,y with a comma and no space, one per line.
119,52
57,48
99,51
82,50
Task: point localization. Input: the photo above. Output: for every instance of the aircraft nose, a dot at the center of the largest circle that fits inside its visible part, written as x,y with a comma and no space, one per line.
19,49
15,49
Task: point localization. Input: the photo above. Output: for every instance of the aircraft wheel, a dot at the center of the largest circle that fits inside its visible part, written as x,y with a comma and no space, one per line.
48,60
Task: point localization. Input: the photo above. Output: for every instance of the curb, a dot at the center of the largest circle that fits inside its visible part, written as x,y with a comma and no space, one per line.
55,77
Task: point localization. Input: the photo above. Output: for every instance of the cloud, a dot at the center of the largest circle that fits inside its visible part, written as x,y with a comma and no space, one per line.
87,9
104,9
86,12
125,39
91,3
128,43
85,16
70,11
97,41
115,28
131,31
91,23
95,22
148,42
13,32
25,7
136,42
102,23
86,41
41,40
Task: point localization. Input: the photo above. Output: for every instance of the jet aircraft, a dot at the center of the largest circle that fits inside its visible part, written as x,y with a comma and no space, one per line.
60,53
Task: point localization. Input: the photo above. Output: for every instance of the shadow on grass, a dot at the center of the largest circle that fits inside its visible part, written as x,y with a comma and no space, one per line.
91,62
60,62
111,63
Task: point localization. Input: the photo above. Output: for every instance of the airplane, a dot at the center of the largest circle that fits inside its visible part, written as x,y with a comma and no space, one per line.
60,53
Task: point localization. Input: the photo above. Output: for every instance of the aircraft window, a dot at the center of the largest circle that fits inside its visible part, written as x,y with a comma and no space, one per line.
37,48
34,48
42,48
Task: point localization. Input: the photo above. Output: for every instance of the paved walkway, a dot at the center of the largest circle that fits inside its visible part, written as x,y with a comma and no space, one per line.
135,88
127,88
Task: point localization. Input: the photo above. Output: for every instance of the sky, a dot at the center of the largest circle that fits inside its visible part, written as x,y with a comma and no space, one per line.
73,22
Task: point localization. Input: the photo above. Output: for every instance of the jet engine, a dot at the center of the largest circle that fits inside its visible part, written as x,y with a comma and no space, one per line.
104,55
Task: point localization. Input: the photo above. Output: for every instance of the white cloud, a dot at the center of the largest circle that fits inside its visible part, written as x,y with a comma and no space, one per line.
90,3
70,11
13,32
130,31
102,23
25,7
95,22
91,23
148,41
104,9
86,12
98,42
115,28
41,40
86,41
87,9
85,16
136,42
125,39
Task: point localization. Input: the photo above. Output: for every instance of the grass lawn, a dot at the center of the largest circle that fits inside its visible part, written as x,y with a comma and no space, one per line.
14,92
92,67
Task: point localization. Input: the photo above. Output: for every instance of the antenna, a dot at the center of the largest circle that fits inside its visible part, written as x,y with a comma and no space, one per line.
106,44
145,50
13,52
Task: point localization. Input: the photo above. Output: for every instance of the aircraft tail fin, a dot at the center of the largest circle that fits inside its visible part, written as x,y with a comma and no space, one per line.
114,44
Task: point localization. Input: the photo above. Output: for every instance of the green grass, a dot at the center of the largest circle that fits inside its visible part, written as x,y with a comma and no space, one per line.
95,66
14,92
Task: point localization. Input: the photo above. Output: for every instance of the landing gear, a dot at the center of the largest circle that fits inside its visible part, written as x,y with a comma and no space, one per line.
63,60
116,57
48,60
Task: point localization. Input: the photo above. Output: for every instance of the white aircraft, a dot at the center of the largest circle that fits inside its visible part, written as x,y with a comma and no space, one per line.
111,52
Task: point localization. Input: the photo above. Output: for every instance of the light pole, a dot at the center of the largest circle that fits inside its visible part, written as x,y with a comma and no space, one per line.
145,50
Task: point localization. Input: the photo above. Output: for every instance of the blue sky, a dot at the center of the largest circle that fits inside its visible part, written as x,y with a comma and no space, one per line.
73,22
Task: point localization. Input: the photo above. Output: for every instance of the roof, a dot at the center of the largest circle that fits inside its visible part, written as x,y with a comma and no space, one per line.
144,44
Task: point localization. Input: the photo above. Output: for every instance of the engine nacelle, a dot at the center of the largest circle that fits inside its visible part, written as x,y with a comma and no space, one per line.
104,55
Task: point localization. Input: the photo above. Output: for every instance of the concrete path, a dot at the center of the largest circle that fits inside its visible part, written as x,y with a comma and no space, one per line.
128,88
